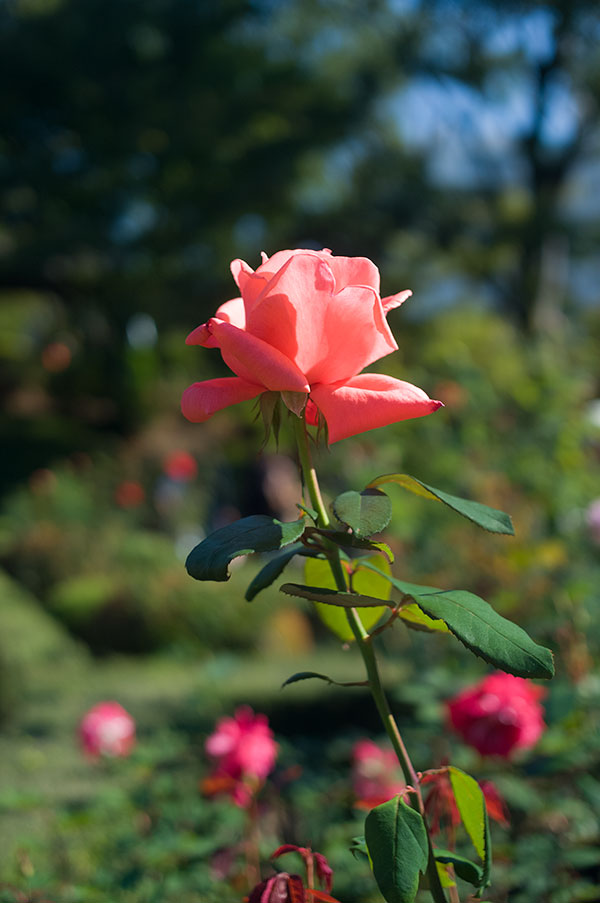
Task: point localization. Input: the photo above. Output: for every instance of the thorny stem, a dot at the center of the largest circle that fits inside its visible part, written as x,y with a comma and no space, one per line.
363,641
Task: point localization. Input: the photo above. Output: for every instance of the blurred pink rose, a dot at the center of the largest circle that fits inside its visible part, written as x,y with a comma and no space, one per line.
107,729
307,322
375,774
499,715
244,752
592,519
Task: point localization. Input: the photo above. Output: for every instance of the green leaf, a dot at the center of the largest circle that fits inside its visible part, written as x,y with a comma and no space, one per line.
295,401
349,541
497,640
314,515
366,512
416,619
471,805
489,518
397,843
272,570
370,583
307,675
259,533
464,868
330,596
481,629
358,847
270,409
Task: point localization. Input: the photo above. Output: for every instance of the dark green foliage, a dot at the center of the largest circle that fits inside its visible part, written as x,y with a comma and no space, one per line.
464,868
481,629
331,596
272,570
471,805
209,560
397,843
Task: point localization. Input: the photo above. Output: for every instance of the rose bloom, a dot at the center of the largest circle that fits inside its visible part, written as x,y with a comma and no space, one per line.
107,729
180,466
307,322
499,715
375,777
592,519
244,752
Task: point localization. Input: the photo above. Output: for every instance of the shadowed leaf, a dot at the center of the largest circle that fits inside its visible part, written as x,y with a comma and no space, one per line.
272,570
210,559
330,596
368,582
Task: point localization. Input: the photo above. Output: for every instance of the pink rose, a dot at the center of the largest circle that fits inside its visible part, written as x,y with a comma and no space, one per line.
375,774
500,714
244,752
592,519
307,322
107,729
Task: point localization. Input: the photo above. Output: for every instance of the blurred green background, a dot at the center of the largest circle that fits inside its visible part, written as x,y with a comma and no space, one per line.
146,143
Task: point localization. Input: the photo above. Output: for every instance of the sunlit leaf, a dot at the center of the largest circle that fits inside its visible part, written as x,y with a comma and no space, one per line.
481,629
464,868
471,805
366,512
489,518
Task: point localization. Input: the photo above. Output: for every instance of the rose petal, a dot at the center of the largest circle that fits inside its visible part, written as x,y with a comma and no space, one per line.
393,301
232,312
354,335
257,361
249,282
201,400
354,271
367,402
301,313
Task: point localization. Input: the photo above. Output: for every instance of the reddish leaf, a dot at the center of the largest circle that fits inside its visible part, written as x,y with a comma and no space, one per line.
288,848
274,890
495,804
318,896
324,870
295,889
216,784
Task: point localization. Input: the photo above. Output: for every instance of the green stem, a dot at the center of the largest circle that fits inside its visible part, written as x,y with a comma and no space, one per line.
363,641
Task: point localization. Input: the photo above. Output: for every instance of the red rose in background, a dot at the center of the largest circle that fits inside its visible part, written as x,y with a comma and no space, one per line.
499,715
129,494
376,775
180,466
307,322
